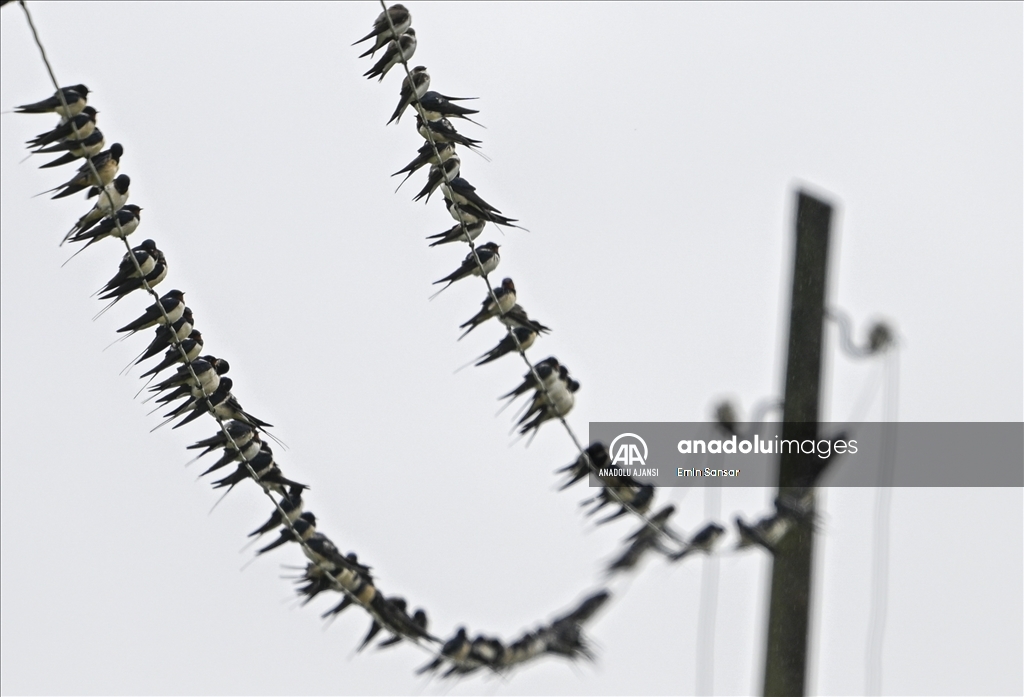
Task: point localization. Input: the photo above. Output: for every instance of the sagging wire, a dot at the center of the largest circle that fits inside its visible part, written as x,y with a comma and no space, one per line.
881,341
883,506
415,102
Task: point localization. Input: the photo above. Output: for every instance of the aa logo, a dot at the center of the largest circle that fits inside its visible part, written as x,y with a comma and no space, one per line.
628,452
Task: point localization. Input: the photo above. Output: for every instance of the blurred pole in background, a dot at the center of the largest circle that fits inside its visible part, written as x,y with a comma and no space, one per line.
789,609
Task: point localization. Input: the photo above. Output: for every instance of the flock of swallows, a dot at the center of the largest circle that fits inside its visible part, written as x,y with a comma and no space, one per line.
549,380
392,31
199,386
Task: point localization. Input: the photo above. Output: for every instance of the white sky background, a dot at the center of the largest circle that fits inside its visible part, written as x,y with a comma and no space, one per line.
653,152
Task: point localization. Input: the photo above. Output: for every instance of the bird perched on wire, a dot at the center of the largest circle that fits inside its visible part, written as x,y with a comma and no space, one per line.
500,300
112,198
151,263
458,233
166,310
78,127
180,333
702,541
647,537
397,52
121,224
426,156
442,131
411,91
106,164
191,345
76,98
519,339
302,529
290,508
469,214
489,258
397,16
547,370
88,146
590,461
553,403
516,317
438,106
449,168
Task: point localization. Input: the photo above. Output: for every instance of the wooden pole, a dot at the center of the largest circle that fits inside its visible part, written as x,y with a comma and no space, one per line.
789,610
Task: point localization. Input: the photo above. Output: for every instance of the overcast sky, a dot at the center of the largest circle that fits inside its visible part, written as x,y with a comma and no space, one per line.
653,152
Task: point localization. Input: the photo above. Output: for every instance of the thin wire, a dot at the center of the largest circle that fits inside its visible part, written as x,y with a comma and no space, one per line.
708,609
328,572
480,267
883,505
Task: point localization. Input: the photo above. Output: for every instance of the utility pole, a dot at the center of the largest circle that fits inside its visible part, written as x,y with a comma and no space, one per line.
785,669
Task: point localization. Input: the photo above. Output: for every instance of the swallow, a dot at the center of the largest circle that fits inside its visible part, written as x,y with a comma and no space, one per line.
455,650
179,333
489,258
289,509
152,264
415,626
646,538
590,460
411,91
702,541
223,405
105,163
167,310
483,651
468,214
762,534
442,131
426,156
558,402
244,453
437,106
564,636
449,168
268,474
141,259
390,609
75,149
113,197
77,127
397,52
75,97
631,496
516,316
552,381
320,550
207,372
547,370
517,340
238,434
204,370
191,345
464,194
458,233
499,301
121,224
396,16
302,529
